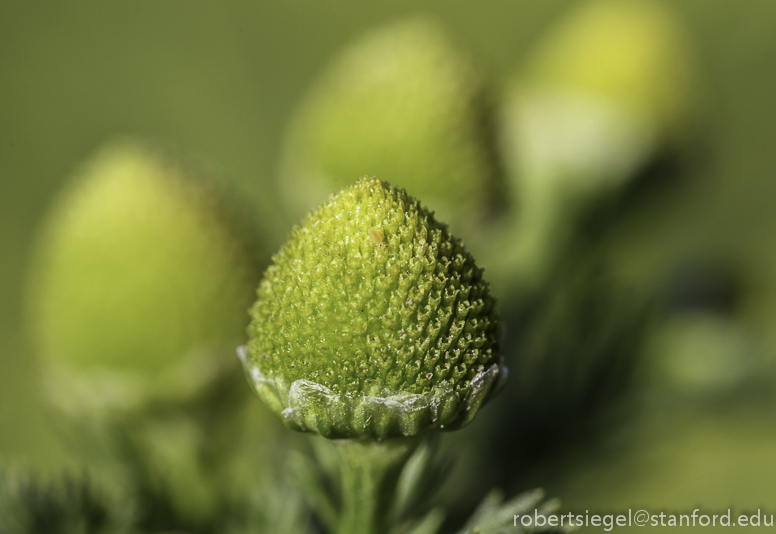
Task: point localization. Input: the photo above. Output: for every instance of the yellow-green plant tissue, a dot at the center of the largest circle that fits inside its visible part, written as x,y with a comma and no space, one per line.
603,94
400,103
373,322
141,283
608,87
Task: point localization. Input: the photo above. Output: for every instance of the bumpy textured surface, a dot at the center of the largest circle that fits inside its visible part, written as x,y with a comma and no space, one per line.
373,321
404,104
140,270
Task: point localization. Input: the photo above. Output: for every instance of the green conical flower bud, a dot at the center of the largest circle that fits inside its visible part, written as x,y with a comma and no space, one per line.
142,274
373,322
402,102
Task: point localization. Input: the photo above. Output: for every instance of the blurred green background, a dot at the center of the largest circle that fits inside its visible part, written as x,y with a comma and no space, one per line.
220,80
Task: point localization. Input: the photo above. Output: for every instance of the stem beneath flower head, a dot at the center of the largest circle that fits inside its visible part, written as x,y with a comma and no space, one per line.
369,471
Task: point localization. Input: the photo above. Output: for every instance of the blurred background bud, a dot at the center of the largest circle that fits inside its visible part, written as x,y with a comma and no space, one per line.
704,350
605,92
600,94
142,282
138,300
705,355
402,104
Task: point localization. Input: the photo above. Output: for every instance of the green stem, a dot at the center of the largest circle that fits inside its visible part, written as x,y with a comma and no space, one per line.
369,471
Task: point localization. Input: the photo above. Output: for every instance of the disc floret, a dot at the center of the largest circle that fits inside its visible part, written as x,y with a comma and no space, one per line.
373,322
